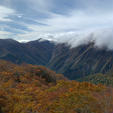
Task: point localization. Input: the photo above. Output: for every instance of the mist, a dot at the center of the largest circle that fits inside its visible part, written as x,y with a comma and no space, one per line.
102,38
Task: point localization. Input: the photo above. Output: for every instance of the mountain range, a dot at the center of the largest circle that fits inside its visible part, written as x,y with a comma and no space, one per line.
74,62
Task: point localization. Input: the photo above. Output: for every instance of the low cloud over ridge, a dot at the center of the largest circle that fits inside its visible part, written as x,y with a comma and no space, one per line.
102,38
73,21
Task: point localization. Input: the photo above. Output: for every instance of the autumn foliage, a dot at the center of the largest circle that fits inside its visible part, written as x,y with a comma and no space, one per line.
36,89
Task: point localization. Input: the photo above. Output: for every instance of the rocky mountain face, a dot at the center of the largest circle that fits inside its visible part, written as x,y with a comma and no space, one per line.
72,62
81,61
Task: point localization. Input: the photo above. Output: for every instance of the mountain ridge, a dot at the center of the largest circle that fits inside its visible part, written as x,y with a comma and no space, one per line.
73,62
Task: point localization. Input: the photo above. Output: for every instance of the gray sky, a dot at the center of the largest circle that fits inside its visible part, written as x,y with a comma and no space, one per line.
62,20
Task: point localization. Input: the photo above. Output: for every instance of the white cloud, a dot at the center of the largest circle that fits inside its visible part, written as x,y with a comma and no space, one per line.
38,6
102,37
5,34
74,21
76,26
77,20
5,13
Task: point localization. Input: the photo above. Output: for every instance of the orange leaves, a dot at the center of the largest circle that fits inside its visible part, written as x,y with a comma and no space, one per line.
32,89
70,89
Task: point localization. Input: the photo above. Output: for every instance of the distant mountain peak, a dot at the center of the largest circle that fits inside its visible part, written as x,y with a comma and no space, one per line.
43,39
73,62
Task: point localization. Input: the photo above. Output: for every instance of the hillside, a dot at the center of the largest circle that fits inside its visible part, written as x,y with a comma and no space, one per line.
34,52
35,89
81,61
74,63
17,71
98,78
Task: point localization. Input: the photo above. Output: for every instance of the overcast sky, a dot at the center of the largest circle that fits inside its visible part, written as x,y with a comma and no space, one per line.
33,19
